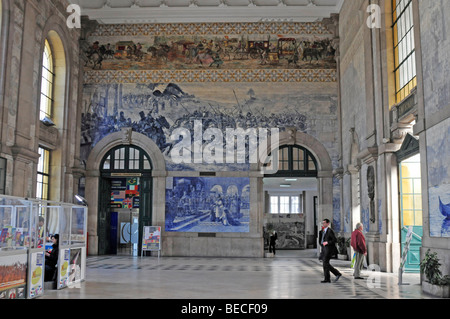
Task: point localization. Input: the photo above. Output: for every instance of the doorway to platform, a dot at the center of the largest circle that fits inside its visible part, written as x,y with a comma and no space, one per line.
410,200
124,205
411,210
291,197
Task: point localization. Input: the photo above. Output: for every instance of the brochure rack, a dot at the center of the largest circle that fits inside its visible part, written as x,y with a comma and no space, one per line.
26,228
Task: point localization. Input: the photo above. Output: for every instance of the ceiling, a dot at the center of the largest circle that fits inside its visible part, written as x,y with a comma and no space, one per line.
185,11
288,185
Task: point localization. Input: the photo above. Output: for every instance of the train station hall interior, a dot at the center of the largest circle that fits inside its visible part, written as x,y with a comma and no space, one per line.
152,149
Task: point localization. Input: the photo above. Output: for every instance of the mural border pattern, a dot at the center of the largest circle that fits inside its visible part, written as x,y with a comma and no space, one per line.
204,76
263,28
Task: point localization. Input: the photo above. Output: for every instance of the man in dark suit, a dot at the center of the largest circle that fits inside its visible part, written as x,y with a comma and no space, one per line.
328,242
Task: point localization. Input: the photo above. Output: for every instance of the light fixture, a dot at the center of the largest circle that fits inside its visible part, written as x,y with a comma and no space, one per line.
82,200
285,185
47,121
291,179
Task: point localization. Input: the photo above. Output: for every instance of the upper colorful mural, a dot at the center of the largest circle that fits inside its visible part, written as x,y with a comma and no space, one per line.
196,46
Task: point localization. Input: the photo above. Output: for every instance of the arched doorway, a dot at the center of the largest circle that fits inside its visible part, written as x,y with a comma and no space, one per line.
291,197
124,200
410,201
98,190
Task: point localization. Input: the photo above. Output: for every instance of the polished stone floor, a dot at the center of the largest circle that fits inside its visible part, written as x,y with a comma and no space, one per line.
290,275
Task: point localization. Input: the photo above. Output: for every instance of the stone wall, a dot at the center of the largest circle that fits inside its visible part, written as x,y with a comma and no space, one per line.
434,127
374,127
25,26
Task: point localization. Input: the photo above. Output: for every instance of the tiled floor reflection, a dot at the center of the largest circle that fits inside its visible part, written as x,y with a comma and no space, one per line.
290,275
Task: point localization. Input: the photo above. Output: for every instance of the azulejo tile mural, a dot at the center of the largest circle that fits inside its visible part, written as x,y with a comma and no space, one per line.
159,110
207,204
160,78
438,150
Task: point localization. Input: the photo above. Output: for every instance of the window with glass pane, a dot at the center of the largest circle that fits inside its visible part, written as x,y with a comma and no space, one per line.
43,174
411,192
47,82
126,158
285,204
295,205
134,158
283,159
404,49
2,175
296,161
274,204
107,163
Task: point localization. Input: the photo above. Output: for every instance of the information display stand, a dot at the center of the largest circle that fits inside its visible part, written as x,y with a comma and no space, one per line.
26,228
151,239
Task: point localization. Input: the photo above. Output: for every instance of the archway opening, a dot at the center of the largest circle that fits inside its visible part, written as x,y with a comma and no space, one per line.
124,205
410,203
291,199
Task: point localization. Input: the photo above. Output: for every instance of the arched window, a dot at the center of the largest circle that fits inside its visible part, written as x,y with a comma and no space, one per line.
296,161
53,112
48,75
126,158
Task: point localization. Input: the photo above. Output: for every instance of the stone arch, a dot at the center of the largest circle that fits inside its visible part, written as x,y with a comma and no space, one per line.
121,138
325,167
293,137
125,137
59,41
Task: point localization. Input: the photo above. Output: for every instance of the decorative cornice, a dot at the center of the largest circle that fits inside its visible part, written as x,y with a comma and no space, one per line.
220,12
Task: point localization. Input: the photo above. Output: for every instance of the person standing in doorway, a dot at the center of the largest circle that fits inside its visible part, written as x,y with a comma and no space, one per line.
273,242
358,243
328,243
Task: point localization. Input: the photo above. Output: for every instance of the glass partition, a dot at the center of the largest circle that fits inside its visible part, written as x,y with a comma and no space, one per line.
78,229
52,216
15,224
64,225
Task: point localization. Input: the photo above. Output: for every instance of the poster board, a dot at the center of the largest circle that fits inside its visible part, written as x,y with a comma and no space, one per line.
151,239
63,265
36,277
13,276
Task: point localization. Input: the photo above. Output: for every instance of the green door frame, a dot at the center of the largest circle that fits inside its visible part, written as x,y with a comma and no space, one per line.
124,165
410,148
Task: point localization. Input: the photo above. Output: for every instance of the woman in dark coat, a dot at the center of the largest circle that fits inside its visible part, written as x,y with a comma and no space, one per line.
51,259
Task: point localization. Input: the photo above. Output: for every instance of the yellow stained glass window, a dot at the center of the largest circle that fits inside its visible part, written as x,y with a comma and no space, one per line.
411,192
404,48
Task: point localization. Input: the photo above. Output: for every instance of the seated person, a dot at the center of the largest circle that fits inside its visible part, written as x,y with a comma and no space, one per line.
51,259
